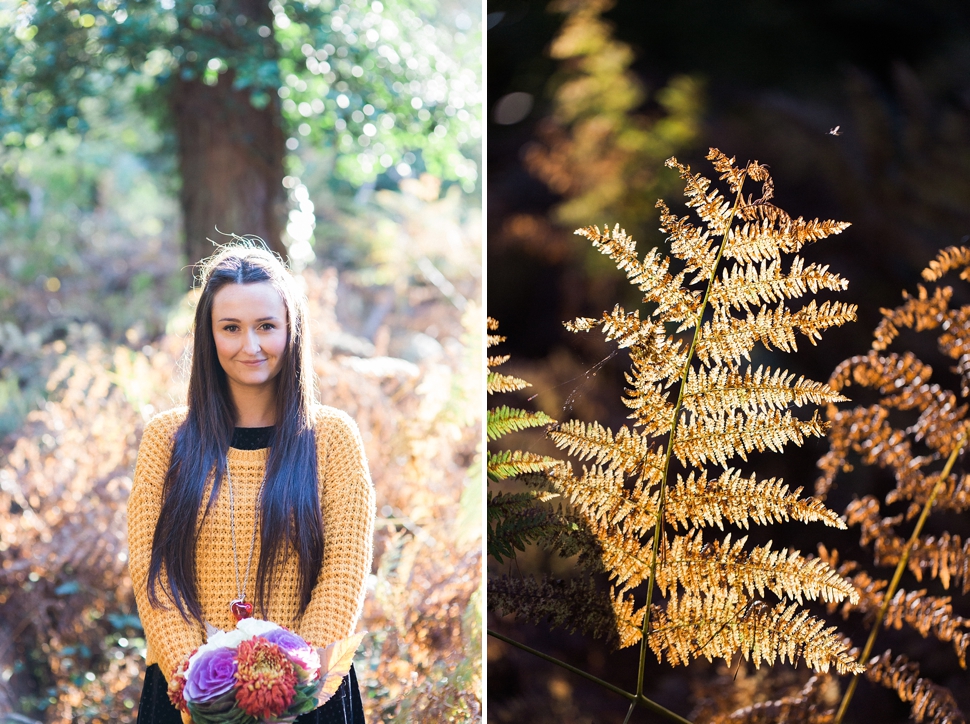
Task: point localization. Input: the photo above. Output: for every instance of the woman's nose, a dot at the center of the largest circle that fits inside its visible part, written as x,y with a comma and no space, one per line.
251,344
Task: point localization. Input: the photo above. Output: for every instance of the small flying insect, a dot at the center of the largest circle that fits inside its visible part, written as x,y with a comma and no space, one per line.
835,131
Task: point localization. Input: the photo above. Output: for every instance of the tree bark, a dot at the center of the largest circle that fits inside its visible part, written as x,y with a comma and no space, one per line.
231,162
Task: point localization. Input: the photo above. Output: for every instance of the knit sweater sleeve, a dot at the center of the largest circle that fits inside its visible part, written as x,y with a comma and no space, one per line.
347,501
170,637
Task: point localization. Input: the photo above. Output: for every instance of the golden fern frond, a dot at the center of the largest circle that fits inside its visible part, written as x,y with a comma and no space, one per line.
495,361
496,383
650,404
624,556
774,234
712,207
662,361
651,275
625,328
867,432
732,174
718,626
699,501
954,495
688,243
504,420
808,706
929,615
721,411
954,342
942,420
710,568
899,376
601,495
744,286
931,702
946,557
708,392
625,450
718,439
919,313
492,339
953,257
904,383
628,618
726,339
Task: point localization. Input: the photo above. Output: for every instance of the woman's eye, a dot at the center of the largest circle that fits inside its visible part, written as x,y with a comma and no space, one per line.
269,325
230,328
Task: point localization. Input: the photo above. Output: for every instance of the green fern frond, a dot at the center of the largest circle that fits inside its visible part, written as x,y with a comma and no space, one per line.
515,521
578,604
503,420
510,463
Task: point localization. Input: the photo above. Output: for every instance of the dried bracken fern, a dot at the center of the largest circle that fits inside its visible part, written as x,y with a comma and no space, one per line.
520,517
697,403
931,703
911,425
807,706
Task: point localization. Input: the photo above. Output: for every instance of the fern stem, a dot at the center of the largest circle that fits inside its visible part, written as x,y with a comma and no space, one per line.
634,699
658,527
629,712
897,576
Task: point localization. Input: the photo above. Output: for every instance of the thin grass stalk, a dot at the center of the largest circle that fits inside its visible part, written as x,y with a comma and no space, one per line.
658,527
632,698
897,576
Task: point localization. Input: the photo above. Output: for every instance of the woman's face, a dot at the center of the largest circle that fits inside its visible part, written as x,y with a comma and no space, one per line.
249,325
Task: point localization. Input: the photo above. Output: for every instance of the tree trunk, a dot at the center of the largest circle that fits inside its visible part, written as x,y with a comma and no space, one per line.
231,162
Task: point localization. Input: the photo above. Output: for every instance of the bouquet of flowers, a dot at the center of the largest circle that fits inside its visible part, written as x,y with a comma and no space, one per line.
258,672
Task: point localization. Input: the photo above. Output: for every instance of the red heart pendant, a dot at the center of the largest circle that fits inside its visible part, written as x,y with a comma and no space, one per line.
241,609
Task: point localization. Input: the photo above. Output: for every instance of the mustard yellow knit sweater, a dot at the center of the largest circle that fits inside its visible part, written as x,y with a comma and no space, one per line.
347,501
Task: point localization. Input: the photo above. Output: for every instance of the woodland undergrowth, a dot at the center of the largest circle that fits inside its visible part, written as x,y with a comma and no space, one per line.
71,644
640,512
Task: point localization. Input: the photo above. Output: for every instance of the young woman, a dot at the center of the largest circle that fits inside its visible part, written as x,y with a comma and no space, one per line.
252,500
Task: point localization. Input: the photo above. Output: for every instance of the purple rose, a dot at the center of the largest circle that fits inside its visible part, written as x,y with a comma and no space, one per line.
295,648
212,674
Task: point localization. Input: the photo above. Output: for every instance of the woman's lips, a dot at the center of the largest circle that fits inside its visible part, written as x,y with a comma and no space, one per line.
252,363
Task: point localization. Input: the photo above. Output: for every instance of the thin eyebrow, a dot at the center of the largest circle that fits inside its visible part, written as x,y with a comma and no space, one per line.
261,319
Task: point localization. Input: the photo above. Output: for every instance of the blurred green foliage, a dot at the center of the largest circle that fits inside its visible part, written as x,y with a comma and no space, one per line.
600,147
87,239
389,87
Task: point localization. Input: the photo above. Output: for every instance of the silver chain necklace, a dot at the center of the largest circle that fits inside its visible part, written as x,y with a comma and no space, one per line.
239,607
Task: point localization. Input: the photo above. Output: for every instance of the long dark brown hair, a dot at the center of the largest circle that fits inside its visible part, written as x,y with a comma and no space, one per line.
290,504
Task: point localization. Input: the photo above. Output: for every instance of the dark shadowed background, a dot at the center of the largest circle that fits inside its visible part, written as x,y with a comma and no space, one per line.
862,112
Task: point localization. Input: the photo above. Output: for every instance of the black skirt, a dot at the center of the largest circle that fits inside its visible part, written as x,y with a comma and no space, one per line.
344,707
